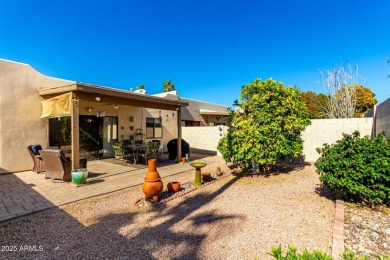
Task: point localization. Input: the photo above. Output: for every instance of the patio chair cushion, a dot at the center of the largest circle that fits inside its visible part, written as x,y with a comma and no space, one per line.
36,148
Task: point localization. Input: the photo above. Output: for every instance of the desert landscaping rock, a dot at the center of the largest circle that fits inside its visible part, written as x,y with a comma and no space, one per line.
230,218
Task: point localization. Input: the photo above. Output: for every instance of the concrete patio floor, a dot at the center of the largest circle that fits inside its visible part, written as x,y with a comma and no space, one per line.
24,193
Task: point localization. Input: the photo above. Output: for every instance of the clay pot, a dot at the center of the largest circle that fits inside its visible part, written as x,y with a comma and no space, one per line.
153,185
206,176
218,171
183,160
173,186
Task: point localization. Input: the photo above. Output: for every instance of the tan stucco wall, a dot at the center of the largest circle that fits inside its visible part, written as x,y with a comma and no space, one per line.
20,110
169,123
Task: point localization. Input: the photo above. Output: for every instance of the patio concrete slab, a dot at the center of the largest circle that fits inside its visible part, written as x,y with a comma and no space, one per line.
24,193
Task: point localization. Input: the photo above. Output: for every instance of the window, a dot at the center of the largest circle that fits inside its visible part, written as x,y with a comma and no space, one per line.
191,123
153,128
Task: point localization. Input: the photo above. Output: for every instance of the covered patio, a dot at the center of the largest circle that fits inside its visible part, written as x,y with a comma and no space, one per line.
80,100
24,193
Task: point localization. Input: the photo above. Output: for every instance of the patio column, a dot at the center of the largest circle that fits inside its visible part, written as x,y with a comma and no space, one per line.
75,131
179,155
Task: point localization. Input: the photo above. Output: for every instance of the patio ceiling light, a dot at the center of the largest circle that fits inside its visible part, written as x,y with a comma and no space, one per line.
89,109
97,98
116,106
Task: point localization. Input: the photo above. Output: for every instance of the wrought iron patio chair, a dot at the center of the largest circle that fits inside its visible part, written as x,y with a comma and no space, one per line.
150,152
119,153
129,152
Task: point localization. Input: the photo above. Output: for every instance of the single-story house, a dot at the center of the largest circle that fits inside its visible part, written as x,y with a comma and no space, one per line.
37,109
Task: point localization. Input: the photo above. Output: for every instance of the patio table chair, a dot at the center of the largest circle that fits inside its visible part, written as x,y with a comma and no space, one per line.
58,166
119,153
39,165
150,152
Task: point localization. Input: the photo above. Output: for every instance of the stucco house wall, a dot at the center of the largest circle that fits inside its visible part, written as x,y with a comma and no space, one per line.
169,124
20,111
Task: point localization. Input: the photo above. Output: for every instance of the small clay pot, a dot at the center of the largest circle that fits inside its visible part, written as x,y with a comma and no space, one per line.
173,186
206,176
218,171
183,160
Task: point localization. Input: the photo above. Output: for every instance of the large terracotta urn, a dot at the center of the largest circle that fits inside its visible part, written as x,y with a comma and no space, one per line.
153,185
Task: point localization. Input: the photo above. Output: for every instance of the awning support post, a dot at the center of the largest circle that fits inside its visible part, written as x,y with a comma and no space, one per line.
75,131
179,155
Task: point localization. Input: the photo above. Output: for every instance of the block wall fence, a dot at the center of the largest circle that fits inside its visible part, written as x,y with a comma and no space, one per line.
329,131
205,139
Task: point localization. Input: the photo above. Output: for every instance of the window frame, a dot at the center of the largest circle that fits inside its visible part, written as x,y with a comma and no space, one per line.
154,127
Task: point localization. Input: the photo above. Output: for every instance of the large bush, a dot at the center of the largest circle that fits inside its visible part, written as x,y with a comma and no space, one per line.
266,125
357,168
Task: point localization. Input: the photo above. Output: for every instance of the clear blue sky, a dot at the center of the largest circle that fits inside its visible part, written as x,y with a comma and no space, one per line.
207,48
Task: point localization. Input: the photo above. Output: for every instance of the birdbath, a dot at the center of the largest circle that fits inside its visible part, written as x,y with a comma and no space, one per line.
198,166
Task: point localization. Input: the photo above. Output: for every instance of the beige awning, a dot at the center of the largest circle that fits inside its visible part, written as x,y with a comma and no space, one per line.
56,106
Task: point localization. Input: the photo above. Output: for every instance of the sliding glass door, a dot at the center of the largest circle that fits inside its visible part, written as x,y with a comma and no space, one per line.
97,134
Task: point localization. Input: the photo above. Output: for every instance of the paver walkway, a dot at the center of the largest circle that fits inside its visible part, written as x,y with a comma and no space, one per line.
24,193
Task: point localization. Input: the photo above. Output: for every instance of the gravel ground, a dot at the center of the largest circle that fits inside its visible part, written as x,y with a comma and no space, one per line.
233,218
367,231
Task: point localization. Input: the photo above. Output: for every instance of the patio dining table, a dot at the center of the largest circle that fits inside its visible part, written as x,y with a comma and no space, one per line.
136,148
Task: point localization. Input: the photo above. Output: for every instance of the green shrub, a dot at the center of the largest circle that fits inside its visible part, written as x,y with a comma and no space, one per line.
293,254
357,168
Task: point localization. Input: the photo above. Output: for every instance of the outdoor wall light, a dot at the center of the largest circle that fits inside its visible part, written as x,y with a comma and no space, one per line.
97,98
89,109
116,106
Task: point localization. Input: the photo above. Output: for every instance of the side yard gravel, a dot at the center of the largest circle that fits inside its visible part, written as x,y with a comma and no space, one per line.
367,231
233,218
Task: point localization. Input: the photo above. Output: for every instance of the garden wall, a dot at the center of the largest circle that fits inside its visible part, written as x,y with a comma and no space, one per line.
204,139
329,131
382,118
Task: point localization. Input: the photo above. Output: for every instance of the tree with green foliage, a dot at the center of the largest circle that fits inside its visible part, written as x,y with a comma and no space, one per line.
168,86
140,86
266,125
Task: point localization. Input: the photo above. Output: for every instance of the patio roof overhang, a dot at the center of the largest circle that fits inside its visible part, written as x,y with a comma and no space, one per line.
87,92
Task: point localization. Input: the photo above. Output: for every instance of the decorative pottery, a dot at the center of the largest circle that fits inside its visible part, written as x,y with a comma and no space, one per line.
153,185
183,160
173,186
79,176
206,176
218,171
198,177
